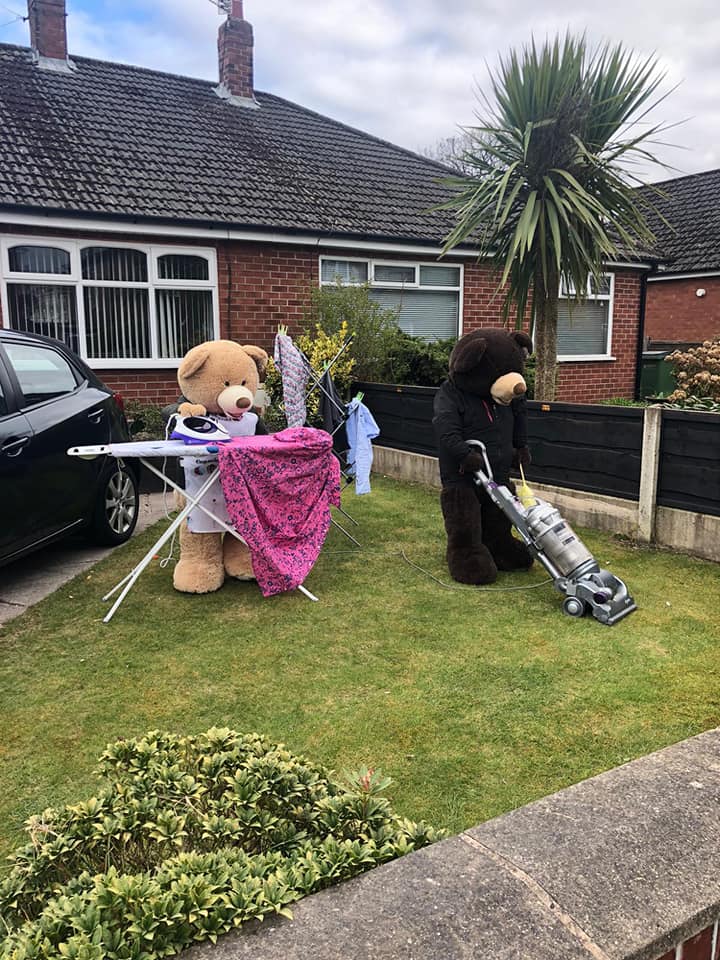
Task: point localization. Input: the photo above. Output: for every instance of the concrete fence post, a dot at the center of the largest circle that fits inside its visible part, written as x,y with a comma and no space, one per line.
649,469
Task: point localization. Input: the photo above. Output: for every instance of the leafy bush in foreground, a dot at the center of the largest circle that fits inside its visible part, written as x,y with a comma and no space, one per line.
191,837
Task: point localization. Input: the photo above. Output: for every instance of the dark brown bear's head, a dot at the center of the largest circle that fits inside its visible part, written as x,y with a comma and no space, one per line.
490,363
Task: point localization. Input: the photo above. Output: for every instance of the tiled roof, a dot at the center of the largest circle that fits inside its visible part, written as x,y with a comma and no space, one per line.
110,139
691,205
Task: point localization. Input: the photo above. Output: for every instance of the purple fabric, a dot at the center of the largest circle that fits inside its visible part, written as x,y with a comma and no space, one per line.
279,490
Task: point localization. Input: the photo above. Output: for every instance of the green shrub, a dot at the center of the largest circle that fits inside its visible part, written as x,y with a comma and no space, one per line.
190,837
410,360
372,327
145,420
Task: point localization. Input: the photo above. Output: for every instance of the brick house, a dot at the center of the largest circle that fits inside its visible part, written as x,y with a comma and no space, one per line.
142,212
683,297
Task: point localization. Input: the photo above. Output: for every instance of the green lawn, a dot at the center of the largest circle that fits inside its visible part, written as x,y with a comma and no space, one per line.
474,701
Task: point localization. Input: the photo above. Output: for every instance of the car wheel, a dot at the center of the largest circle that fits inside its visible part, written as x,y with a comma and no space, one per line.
116,507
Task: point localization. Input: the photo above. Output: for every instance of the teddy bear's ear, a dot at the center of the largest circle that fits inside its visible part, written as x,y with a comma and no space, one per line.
466,355
193,361
522,340
259,356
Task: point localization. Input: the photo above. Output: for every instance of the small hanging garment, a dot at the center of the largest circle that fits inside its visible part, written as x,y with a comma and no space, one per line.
294,372
279,490
361,429
332,408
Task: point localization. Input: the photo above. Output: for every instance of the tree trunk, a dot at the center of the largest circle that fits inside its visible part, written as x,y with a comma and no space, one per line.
546,316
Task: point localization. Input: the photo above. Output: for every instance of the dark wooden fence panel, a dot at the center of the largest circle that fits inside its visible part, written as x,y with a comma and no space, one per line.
579,446
586,447
689,477
404,415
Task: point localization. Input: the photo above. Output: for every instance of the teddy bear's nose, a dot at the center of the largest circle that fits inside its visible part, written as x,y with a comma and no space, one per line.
519,388
242,403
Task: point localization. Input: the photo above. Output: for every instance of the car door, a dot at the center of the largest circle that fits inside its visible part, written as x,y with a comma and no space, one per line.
15,434
62,410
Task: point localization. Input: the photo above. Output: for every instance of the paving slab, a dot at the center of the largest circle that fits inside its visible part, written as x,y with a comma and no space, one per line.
27,581
446,902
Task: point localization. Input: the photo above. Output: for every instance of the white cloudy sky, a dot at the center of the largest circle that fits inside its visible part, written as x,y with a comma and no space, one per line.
408,70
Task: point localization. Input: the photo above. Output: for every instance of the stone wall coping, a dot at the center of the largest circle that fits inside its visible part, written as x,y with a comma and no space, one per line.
622,866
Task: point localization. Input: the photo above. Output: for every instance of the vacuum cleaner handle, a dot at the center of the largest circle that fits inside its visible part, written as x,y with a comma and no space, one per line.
483,451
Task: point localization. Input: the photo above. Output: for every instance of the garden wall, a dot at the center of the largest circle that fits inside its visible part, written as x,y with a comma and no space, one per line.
650,473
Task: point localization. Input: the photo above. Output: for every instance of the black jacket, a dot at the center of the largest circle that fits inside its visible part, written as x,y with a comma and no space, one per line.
461,416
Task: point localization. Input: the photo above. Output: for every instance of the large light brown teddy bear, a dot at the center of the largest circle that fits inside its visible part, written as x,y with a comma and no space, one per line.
218,378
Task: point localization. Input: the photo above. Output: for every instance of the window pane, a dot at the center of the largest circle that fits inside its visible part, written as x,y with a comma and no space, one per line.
582,327
31,259
117,322
185,318
349,271
601,288
48,309
176,266
384,273
114,263
430,314
440,276
41,372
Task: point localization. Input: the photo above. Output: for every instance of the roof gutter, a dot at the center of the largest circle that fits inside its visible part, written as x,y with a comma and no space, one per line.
69,221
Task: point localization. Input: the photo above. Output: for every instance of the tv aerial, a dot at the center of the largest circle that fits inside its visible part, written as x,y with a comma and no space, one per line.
223,6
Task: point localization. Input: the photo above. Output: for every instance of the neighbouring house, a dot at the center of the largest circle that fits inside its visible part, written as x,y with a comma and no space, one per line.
683,297
142,212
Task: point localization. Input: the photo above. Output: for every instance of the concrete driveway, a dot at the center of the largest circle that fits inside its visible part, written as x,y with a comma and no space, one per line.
29,580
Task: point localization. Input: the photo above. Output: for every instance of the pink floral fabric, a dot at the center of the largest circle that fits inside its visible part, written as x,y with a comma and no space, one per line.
279,490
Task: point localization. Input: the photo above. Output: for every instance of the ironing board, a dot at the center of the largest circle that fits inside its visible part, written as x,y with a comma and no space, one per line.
143,450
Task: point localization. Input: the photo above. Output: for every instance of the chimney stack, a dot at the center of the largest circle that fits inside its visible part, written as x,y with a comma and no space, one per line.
48,36
235,54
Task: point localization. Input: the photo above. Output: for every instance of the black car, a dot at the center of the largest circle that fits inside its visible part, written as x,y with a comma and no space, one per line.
50,401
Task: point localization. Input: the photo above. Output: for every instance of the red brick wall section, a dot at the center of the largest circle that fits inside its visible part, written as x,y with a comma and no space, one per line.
703,946
676,314
147,386
261,286
47,28
584,381
235,55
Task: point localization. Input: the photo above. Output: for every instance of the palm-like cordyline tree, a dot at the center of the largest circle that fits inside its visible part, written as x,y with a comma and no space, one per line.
551,194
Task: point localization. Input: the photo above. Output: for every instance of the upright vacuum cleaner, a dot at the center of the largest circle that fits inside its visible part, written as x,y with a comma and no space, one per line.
551,540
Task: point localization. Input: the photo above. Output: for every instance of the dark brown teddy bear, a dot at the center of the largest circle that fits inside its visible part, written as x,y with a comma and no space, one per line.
483,399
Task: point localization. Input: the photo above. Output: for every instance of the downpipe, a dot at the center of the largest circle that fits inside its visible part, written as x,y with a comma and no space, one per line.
555,545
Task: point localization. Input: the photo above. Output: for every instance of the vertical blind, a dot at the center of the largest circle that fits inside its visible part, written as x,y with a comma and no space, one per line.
185,318
47,309
114,263
117,322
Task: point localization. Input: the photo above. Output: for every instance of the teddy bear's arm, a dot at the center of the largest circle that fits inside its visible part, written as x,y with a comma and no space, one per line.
192,410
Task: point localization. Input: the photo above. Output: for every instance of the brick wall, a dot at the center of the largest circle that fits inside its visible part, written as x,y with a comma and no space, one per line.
47,28
703,946
263,285
584,381
235,55
675,314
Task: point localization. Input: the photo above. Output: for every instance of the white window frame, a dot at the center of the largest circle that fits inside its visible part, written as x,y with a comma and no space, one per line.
396,284
75,279
459,289
610,298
